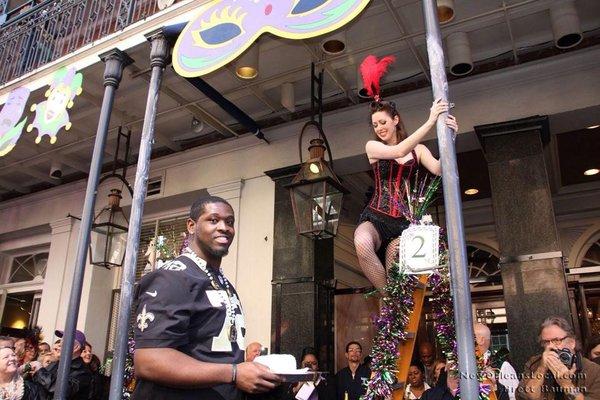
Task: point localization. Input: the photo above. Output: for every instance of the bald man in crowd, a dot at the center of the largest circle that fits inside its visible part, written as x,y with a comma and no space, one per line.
507,375
427,357
253,351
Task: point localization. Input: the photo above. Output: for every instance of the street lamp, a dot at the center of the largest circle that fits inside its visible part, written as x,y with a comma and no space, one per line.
110,226
315,191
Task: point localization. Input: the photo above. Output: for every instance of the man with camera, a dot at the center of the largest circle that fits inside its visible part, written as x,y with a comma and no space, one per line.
561,371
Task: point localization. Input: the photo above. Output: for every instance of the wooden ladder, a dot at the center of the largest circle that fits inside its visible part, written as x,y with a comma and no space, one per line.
407,347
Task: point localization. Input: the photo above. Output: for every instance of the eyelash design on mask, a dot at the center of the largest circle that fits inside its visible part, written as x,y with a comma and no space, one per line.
223,26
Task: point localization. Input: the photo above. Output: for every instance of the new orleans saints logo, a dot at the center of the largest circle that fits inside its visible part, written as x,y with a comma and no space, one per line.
143,318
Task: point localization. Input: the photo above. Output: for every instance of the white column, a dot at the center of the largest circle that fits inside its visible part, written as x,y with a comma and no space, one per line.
94,311
230,191
55,292
255,253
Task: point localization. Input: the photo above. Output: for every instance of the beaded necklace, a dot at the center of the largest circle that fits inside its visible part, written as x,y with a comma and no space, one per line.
228,298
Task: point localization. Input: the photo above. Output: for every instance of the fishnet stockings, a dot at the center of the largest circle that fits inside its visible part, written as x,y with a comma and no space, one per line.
367,241
391,253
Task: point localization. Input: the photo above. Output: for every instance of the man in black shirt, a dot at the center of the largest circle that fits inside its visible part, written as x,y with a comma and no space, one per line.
190,329
350,381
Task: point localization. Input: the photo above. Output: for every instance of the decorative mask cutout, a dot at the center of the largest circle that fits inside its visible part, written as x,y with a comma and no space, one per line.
10,127
224,29
51,115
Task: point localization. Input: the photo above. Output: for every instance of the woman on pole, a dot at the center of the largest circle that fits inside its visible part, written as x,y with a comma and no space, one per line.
394,157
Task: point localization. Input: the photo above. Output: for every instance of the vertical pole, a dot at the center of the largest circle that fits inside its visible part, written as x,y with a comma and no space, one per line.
130,12
461,292
587,329
114,60
158,60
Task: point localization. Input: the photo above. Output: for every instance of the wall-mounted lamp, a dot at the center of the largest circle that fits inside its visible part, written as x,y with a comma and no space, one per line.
111,226
316,192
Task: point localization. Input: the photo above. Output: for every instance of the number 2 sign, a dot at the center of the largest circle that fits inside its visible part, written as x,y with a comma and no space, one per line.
419,249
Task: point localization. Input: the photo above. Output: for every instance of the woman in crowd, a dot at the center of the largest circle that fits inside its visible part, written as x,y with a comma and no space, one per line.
12,384
439,366
93,363
86,354
394,157
323,390
416,382
27,358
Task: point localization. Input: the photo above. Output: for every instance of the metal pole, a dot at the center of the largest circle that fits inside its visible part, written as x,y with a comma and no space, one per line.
115,60
587,329
158,60
461,293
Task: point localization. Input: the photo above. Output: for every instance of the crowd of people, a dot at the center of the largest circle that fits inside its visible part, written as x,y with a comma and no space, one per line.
190,332
29,370
562,370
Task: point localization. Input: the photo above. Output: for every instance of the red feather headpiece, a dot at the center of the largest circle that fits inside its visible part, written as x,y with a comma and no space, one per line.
372,70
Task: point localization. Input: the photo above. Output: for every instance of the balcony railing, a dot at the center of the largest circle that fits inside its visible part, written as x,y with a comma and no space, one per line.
39,32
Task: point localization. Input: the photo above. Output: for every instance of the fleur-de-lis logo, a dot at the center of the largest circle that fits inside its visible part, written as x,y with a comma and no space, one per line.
143,318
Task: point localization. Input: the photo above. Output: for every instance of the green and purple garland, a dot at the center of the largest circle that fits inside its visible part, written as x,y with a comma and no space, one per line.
443,310
398,304
390,326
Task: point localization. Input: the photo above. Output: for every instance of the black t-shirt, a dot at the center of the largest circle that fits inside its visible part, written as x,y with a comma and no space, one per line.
178,308
355,387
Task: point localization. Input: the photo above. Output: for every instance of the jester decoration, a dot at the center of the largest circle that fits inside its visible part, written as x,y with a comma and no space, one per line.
10,127
51,115
224,29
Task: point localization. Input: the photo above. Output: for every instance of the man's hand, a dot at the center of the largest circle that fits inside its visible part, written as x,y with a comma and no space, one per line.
255,378
546,356
562,374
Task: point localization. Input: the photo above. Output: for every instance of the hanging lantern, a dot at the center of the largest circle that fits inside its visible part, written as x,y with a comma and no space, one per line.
110,228
316,192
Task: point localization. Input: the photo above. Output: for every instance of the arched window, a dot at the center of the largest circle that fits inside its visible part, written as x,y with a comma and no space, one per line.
28,267
21,290
592,255
484,266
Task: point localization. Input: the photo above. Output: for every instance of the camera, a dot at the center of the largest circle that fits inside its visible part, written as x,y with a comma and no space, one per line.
565,356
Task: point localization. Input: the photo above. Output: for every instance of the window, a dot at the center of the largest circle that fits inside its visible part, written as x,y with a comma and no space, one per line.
172,230
28,267
493,315
592,255
21,292
17,311
484,267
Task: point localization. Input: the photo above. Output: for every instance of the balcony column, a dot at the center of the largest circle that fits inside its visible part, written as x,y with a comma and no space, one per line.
303,269
159,54
114,60
533,275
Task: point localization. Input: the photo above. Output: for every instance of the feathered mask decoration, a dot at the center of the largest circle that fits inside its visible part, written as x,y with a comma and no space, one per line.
371,71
